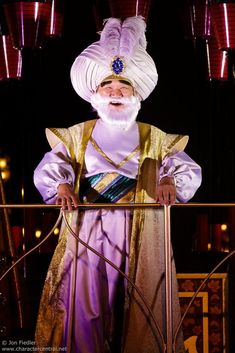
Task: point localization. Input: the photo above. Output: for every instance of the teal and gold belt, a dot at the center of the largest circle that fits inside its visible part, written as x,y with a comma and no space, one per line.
107,188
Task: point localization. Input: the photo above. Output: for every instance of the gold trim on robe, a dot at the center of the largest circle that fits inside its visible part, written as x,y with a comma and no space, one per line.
146,262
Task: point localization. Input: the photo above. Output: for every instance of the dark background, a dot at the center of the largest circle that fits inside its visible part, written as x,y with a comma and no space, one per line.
183,102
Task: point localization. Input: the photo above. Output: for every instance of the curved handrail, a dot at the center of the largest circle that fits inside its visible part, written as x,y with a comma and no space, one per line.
121,272
33,249
170,340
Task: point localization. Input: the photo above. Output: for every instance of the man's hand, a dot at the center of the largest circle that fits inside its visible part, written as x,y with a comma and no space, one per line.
66,197
166,191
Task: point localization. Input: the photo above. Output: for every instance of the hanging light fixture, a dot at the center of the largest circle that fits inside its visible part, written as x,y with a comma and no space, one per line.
217,61
27,22
10,58
200,18
55,15
128,8
222,16
211,61
195,18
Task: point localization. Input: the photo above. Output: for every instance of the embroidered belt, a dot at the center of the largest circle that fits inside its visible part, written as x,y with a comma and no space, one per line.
107,188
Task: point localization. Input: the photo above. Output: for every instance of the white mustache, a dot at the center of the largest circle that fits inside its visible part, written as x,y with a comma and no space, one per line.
123,118
115,100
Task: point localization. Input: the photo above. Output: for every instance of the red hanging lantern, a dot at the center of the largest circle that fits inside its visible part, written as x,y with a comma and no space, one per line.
217,61
10,59
200,18
27,23
223,22
55,15
128,8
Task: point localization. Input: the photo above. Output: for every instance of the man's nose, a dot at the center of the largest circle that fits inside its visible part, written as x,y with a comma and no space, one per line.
116,92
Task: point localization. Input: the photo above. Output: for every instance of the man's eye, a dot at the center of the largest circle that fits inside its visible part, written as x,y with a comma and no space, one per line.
126,89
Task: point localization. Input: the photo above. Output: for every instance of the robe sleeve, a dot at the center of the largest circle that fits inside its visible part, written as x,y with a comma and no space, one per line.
55,168
186,173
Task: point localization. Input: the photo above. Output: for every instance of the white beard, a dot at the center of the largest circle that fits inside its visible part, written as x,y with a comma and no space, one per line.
124,117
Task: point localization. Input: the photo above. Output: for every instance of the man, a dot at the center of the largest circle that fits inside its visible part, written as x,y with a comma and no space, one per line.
87,306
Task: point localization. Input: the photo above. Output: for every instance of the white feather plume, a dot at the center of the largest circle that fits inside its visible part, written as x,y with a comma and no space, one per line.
110,36
132,35
123,38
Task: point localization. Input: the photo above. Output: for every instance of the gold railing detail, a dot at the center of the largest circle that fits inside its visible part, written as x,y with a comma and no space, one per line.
170,337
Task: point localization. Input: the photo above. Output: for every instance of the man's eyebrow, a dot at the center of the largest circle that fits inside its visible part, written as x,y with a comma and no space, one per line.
105,83
125,82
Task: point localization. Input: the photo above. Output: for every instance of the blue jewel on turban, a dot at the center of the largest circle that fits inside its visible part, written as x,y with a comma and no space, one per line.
117,65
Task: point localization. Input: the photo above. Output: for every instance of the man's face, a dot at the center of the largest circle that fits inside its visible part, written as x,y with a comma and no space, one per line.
116,103
115,90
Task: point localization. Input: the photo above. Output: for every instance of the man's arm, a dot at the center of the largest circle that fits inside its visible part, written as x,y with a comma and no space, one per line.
180,177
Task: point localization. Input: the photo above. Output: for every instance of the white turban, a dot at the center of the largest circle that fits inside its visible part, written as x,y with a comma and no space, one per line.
119,54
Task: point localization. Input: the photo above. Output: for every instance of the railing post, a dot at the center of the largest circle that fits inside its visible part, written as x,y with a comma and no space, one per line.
168,283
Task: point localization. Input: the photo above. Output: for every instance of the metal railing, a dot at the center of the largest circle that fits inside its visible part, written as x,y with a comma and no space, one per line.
169,343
